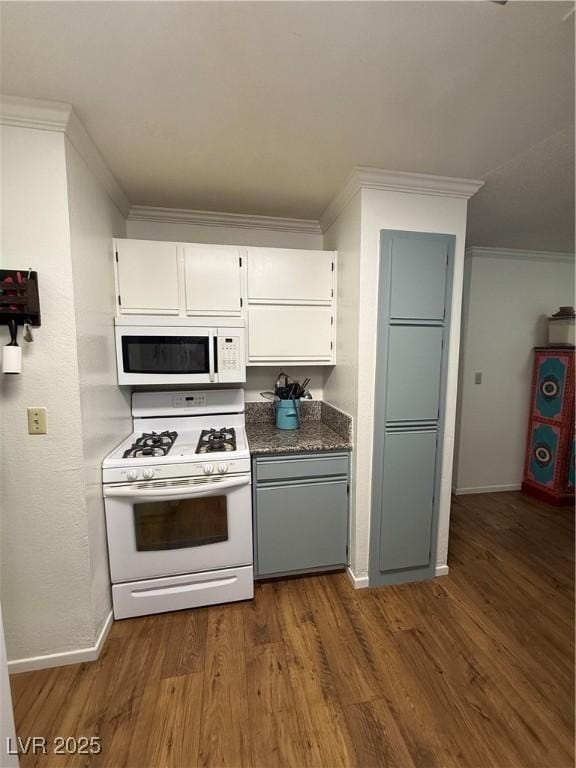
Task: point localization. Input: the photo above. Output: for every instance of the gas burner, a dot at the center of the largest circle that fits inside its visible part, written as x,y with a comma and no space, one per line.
214,440
151,444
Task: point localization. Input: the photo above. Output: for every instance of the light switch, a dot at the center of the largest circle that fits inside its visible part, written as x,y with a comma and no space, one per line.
37,421
478,377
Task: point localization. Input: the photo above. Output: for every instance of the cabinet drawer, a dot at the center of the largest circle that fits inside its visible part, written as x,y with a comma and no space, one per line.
301,467
301,526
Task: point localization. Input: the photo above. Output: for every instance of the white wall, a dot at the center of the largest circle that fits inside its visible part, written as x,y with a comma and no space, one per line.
509,296
341,382
421,213
54,568
45,563
105,407
260,378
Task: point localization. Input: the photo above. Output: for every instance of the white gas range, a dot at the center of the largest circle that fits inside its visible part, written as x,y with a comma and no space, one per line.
179,505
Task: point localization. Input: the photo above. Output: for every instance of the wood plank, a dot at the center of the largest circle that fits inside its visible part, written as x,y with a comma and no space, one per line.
377,738
274,721
186,645
326,739
225,724
175,735
261,617
353,678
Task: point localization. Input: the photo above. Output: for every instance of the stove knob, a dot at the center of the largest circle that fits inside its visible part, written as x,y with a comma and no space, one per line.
148,474
208,469
132,474
222,468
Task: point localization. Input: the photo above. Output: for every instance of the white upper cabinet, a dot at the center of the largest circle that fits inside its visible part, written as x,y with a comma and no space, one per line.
147,277
213,280
287,296
286,276
290,334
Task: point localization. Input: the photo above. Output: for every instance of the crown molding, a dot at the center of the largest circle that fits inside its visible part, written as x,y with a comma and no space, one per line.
220,219
42,115
517,253
366,177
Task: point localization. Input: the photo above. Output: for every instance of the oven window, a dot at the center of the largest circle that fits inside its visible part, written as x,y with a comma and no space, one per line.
179,524
165,354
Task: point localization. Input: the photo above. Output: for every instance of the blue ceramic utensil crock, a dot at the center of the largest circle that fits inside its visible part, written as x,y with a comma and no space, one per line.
288,414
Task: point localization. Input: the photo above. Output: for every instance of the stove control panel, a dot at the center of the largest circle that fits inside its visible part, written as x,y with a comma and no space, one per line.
189,400
175,470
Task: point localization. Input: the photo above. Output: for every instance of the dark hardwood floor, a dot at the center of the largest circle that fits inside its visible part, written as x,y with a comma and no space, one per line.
475,669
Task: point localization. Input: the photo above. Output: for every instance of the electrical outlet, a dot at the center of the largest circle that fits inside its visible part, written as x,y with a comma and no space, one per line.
478,377
37,421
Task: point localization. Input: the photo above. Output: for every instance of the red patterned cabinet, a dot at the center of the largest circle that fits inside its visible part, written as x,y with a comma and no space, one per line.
549,465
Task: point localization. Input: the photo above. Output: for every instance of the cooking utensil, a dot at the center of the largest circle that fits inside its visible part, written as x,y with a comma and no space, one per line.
269,395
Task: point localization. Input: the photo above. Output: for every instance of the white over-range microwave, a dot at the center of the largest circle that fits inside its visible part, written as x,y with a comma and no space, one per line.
180,350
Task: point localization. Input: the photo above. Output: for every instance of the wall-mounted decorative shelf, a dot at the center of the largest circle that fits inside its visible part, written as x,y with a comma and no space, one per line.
19,297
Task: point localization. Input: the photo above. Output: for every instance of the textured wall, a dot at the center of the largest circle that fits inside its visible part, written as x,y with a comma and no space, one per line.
341,384
105,407
508,298
45,563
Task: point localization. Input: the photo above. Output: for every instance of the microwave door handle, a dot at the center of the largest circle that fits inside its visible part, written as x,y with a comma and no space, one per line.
181,492
211,372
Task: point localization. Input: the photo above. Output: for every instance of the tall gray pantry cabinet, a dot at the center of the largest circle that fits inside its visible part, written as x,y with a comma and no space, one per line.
414,299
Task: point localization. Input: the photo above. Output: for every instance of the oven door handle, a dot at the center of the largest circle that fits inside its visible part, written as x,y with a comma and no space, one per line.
180,492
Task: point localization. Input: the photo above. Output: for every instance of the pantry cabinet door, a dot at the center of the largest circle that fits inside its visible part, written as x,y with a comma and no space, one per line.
284,275
289,334
408,482
213,280
147,274
419,266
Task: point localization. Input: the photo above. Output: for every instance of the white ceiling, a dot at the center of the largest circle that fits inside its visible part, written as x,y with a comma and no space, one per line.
264,108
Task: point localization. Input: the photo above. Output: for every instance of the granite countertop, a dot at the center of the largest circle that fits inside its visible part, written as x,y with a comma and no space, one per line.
311,436
322,428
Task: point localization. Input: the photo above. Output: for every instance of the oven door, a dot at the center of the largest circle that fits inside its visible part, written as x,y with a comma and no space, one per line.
159,528
166,355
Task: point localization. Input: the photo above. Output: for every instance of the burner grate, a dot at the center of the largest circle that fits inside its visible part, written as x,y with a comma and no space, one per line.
151,444
217,440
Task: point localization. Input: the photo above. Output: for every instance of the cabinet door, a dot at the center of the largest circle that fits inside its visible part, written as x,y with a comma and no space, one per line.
147,277
408,481
213,285
414,363
301,526
290,276
289,334
418,276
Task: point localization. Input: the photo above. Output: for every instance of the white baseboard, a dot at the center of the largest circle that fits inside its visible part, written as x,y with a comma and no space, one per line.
361,582
358,582
90,653
487,489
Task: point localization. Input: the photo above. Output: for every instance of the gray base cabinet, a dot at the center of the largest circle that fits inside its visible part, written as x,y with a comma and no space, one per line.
300,513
